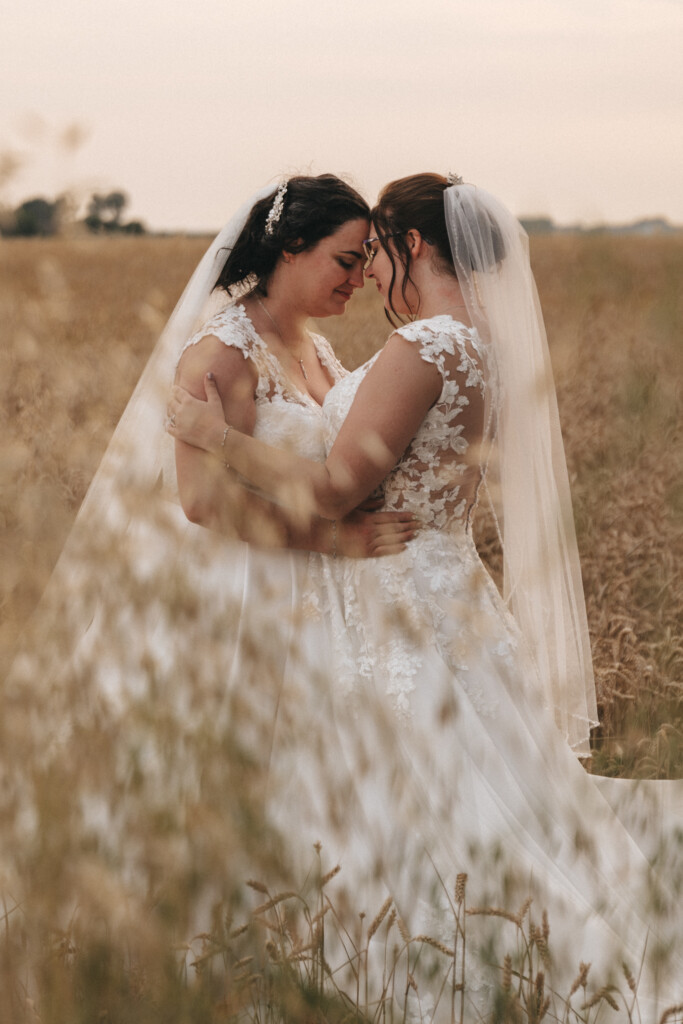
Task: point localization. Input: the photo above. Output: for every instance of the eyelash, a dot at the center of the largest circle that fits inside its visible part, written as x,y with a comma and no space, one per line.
344,264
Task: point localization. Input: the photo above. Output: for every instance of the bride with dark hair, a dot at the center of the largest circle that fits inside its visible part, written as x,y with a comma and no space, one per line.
125,716
458,713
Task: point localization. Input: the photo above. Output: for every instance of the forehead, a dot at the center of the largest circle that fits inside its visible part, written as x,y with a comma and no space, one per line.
349,236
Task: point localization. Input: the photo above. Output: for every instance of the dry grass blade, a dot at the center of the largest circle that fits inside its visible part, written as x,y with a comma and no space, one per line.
670,1012
507,973
581,979
435,944
258,886
604,993
523,910
275,901
329,876
493,912
381,914
630,980
405,934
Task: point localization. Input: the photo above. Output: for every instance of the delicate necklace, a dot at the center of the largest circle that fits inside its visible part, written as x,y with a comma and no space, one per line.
277,331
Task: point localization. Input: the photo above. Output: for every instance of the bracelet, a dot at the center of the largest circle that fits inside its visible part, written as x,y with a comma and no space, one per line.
334,538
225,434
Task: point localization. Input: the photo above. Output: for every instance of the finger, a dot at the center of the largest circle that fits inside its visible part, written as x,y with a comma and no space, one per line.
390,536
392,517
388,549
211,389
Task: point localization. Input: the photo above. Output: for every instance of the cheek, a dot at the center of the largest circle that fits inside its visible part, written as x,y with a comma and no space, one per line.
385,272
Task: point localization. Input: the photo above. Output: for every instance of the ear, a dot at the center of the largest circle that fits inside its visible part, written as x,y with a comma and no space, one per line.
289,257
415,242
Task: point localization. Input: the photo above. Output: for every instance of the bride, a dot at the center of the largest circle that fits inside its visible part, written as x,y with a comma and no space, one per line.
455,710
124,719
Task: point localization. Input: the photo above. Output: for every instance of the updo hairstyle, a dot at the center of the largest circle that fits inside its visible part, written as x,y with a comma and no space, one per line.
313,208
418,202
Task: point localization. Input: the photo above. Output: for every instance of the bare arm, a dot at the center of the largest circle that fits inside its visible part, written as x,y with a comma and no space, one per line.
391,402
214,497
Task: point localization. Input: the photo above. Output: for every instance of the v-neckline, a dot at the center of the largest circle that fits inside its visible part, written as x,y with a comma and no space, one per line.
305,396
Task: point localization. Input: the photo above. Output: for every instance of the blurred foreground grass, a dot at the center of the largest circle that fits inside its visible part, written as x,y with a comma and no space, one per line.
78,318
100,929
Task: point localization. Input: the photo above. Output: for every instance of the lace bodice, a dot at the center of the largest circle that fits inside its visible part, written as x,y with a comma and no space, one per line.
438,476
286,417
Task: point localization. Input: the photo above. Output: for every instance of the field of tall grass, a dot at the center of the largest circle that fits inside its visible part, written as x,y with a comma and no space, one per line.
78,318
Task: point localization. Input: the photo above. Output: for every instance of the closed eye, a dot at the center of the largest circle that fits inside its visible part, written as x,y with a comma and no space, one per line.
344,263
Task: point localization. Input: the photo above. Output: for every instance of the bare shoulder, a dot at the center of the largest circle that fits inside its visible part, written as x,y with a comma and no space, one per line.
229,365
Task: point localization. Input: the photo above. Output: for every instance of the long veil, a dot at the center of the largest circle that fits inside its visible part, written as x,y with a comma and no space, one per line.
115,639
530,486
140,451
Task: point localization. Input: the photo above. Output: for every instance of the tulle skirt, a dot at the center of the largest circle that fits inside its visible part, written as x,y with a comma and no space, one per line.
200,713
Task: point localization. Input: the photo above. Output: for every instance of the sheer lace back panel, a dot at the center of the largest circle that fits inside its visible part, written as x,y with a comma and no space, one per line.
441,470
286,417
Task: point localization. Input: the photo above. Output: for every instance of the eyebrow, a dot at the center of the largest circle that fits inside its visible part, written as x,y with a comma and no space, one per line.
352,252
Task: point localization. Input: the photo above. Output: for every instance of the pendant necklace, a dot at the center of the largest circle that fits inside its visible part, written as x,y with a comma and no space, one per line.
277,331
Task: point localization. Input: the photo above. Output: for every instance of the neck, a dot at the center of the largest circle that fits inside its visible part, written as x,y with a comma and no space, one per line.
289,319
439,295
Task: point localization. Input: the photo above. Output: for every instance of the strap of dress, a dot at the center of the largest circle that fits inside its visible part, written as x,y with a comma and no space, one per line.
440,339
328,357
232,326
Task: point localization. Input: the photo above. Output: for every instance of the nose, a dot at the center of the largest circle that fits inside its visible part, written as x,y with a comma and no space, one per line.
356,275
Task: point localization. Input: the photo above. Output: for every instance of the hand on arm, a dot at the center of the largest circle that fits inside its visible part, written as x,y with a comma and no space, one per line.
213,496
391,402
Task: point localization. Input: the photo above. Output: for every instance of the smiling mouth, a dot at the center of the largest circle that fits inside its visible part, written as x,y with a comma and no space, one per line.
347,295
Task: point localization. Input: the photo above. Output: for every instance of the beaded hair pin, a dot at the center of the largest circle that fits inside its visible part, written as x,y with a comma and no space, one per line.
454,179
276,209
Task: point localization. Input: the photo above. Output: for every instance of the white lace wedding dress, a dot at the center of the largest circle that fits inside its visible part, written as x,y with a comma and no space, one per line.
153,679
456,765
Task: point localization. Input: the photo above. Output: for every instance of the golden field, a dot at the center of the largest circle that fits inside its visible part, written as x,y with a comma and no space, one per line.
78,318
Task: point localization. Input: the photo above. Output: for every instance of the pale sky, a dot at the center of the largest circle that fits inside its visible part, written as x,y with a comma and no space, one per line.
572,108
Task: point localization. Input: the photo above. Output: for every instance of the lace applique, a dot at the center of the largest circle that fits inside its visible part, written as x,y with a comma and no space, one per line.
388,618
439,473
440,338
233,327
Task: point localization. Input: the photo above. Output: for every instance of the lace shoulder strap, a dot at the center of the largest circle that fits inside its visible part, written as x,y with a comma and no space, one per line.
232,326
327,357
448,344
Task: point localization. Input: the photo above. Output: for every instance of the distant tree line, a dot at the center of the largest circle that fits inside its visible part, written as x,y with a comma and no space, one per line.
645,226
42,217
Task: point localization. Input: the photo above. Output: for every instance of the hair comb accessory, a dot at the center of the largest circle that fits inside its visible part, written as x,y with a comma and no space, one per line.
454,179
276,209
